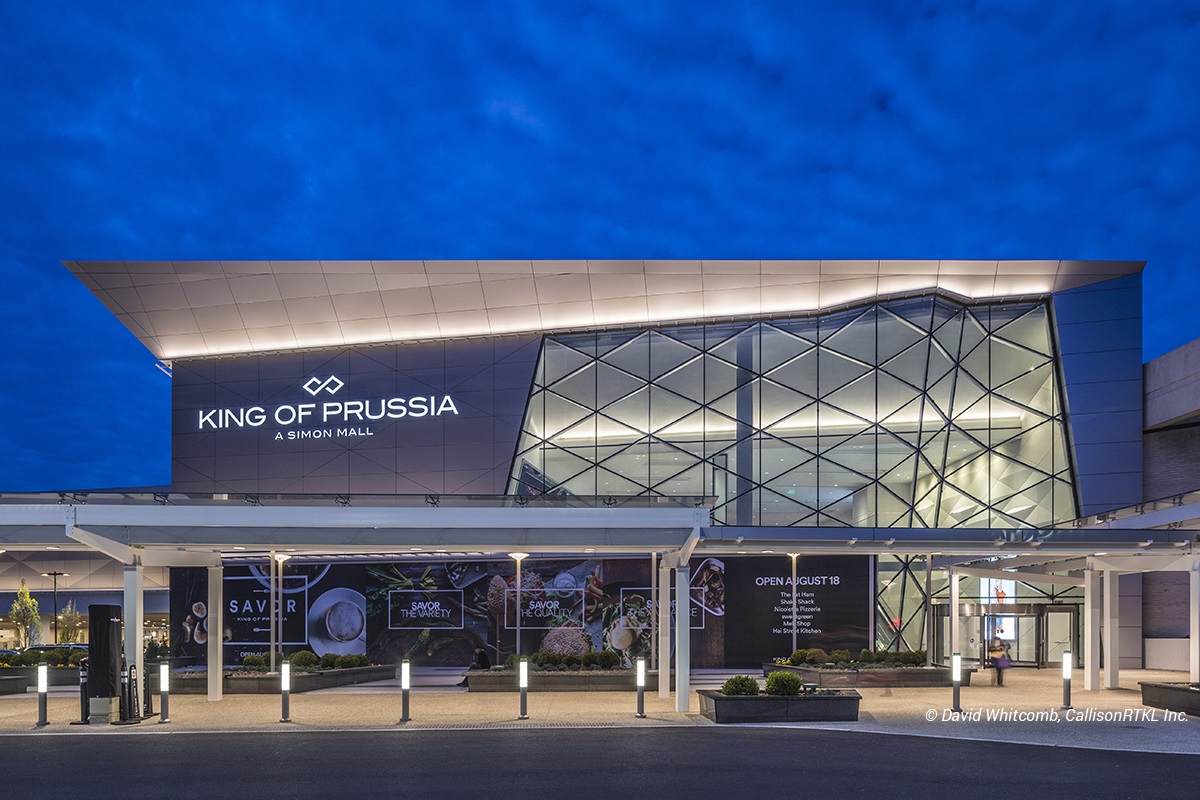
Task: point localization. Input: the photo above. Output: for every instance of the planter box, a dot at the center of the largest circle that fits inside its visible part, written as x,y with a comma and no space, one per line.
869,677
1172,697
55,676
13,684
505,680
197,683
839,707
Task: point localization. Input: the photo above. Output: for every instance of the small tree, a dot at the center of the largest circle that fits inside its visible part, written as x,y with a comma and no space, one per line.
71,624
26,618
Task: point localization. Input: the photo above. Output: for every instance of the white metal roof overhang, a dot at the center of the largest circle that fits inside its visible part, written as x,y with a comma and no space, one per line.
166,535
191,309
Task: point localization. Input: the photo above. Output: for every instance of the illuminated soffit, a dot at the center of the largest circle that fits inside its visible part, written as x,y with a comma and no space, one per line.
188,309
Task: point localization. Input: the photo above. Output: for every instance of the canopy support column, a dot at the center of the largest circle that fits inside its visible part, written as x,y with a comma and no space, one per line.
216,629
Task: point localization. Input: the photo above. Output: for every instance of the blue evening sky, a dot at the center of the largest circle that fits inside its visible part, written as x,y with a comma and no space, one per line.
343,130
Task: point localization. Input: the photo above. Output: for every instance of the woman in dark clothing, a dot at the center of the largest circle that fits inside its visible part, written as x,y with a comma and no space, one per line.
482,661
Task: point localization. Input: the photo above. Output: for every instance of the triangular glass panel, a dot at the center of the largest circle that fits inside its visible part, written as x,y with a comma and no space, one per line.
949,334
597,344
835,422
633,356
561,465
1000,315
721,378
956,507
608,482
941,392
1031,329
738,349
635,463
908,420
632,410
802,423
891,394
688,482
667,408
580,386
834,371
856,454
780,460
933,447
974,333
1033,446
916,311
1033,389
686,380
940,363
1064,502
777,347
804,327
830,324
967,394
581,485
558,361
891,453
689,429
982,519
558,414
855,339
856,398
1009,361
612,432
666,354
1059,461
895,334
800,373
910,366
613,384
777,402
535,416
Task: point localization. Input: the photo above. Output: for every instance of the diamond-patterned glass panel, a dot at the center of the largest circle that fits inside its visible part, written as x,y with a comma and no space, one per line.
920,412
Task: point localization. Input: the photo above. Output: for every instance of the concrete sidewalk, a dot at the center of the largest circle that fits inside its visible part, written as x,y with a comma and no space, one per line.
1025,710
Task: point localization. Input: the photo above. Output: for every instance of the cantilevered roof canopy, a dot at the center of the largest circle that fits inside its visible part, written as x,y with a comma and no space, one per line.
188,309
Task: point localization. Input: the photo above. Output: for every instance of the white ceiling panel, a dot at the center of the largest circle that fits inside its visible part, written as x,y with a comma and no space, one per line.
188,309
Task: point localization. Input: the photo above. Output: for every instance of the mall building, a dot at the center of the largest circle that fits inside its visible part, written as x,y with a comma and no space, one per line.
846,454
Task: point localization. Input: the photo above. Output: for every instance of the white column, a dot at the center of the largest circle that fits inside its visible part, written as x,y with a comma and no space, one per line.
653,617
275,608
928,611
216,630
683,639
134,613
1194,629
664,632
954,643
1091,630
1112,630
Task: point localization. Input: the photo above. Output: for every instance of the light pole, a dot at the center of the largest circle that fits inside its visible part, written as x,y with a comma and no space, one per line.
793,557
277,612
518,557
55,575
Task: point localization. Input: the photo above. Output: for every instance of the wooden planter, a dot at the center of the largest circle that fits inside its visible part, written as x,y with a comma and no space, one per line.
1172,697
721,709
505,680
873,677
197,683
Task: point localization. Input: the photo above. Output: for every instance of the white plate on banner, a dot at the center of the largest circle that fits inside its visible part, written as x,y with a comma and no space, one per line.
318,633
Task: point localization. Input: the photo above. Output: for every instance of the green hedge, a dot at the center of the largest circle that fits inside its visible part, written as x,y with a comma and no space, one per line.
741,685
784,683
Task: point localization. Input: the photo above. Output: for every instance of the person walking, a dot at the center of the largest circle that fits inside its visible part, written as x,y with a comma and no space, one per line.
998,652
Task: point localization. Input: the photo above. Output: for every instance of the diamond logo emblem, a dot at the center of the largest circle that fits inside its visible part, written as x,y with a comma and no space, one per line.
315,386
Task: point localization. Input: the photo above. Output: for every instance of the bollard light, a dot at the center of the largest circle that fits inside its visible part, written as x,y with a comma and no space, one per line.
164,688
42,686
956,676
405,685
523,684
1067,664
641,687
285,685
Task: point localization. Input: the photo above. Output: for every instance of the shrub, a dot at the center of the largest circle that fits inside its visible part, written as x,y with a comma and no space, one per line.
740,685
253,661
591,660
866,656
784,683
568,660
58,656
839,656
351,661
75,657
798,658
328,661
817,656
30,658
608,659
551,659
305,659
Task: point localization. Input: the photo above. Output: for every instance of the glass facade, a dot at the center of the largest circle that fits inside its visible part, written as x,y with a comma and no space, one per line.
915,412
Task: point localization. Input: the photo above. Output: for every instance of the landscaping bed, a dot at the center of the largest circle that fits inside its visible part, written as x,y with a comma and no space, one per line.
1183,697
584,680
55,676
14,684
872,677
839,705
196,682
